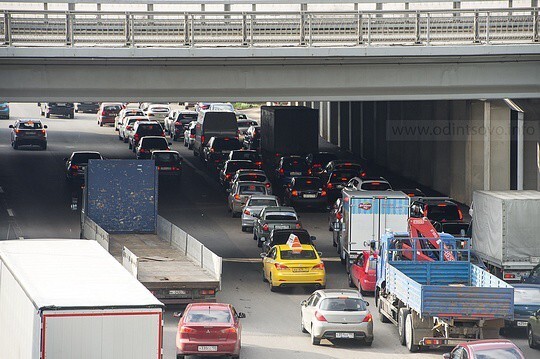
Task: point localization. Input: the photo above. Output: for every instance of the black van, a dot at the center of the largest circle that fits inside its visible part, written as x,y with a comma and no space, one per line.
213,124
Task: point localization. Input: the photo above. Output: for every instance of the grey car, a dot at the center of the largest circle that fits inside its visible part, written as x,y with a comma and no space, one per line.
336,314
28,133
240,193
253,207
274,218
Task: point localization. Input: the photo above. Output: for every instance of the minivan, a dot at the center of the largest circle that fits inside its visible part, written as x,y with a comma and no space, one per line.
213,124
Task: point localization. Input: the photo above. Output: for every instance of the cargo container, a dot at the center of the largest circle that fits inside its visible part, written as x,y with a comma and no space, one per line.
65,299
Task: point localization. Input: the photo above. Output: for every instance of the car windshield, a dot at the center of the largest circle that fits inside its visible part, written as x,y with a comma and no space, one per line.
295,165
280,217
497,353
159,109
30,125
149,130
81,158
166,157
343,305
375,186
187,116
443,212
156,143
258,202
525,295
252,189
235,166
252,177
372,263
245,155
226,144
307,183
208,316
303,255
341,176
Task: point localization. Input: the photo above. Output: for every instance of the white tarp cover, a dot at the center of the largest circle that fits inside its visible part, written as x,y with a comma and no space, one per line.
72,273
506,224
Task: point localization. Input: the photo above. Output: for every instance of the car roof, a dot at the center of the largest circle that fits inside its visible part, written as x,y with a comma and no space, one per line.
78,152
188,112
263,196
237,161
148,123
489,344
335,293
209,305
245,151
29,119
247,170
255,183
285,247
279,209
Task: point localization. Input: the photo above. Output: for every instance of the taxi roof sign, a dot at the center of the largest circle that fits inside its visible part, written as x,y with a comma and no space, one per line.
294,243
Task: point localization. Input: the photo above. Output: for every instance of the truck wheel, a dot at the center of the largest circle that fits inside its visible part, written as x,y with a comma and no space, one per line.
382,317
403,312
409,335
48,115
347,263
130,146
259,243
314,341
180,356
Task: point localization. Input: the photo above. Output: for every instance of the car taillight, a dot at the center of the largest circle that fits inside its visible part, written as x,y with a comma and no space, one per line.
202,139
339,215
136,137
212,150
43,132
259,163
265,227
178,123
460,214
309,171
281,170
237,197
509,276
74,167
128,128
368,318
319,266
191,136
208,291
247,212
268,185
294,193
278,154
176,168
323,193
298,226
143,150
103,113
159,168
329,186
149,114
363,174
17,131
320,317
185,331
231,330
280,266
228,176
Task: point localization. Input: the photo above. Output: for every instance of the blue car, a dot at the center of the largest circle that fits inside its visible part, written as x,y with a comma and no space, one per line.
526,303
4,110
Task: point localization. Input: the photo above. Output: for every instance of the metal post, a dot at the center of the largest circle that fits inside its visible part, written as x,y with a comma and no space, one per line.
251,21
417,29
128,30
71,6
98,9
7,28
302,29
192,30
69,30
369,29
428,39
487,28
150,8
520,151
535,26
309,17
186,30
476,29
359,34
244,30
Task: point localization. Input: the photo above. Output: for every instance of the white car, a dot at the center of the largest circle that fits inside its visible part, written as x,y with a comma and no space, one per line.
253,207
119,120
337,314
157,112
127,126
254,176
189,135
369,184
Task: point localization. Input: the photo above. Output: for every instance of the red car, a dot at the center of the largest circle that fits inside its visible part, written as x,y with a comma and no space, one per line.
363,273
492,348
209,329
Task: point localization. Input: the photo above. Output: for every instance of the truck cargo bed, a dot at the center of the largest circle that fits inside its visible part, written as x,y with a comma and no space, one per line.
159,263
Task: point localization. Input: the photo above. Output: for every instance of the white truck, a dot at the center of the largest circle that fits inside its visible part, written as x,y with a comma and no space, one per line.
506,231
65,299
367,215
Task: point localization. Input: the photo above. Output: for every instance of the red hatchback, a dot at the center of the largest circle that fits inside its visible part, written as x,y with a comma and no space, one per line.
363,273
209,329
486,349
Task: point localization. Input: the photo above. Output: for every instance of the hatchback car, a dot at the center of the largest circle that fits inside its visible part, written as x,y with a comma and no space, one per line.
240,193
209,329
229,169
59,109
141,129
369,184
335,314
107,112
157,112
189,135
28,133
486,349
253,207
272,218
217,150
318,161
128,124
526,304
4,110
291,166
77,162
363,272
335,181
305,192
168,163
249,155
149,144
123,114
252,175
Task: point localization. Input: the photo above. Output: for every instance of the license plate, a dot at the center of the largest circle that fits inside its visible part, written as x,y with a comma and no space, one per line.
281,227
60,104
310,196
177,292
345,335
521,324
299,269
29,132
296,173
166,168
207,348
339,186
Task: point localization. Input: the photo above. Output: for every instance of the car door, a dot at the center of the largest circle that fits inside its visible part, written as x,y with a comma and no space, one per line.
357,270
268,262
305,318
310,310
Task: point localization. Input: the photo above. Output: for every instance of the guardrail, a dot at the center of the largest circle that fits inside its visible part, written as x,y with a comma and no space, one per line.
268,29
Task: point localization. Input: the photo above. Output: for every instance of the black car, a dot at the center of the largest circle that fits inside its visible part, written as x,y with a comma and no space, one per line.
281,236
87,107
526,304
534,276
344,165
291,166
149,144
28,133
306,192
248,155
442,212
178,122
59,109
144,128
168,163
335,181
229,169
217,150
77,162
318,161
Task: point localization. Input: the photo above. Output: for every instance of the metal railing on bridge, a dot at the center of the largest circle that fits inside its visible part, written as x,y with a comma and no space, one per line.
268,29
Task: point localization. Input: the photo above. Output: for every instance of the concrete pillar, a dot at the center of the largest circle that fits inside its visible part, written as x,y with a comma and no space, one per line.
203,7
227,7
303,7
355,6
500,146
325,121
253,7
149,7
356,127
333,113
379,6
71,6
531,143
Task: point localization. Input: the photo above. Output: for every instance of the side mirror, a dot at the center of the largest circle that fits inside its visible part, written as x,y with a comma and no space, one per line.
241,315
367,303
320,254
537,315
10,126
45,126
39,103
313,238
446,356
303,303
263,255
177,314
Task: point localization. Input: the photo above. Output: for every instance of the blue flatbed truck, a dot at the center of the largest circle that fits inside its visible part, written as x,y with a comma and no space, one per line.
437,302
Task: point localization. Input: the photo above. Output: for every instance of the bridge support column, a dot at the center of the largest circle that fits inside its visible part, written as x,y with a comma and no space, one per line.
324,120
71,6
333,122
344,125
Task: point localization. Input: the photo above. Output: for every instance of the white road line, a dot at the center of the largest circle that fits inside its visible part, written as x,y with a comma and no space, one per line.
10,212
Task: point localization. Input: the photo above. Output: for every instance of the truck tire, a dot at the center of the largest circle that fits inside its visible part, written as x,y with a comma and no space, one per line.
382,317
180,356
403,312
409,335
347,263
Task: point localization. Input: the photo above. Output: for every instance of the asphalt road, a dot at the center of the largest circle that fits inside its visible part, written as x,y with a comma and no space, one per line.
35,203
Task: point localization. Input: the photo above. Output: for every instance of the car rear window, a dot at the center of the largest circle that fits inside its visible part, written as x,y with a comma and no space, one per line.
112,108
159,109
80,158
498,353
222,107
343,305
245,155
375,186
252,189
295,164
168,157
280,217
208,316
157,143
307,183
262,202
150,130
341,176
282,238
303,255
235,166
352,166
255,178
187,116
30,125
226,144
246,123
443,212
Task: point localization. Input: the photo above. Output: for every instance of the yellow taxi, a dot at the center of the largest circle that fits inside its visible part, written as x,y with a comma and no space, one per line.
293,264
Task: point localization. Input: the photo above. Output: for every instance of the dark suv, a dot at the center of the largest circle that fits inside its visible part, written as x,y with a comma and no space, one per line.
442,212
217,150
60,109
28,132
144,128
149,144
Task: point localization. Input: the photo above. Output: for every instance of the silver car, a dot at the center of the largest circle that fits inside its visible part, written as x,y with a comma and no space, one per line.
189,134
156,112
254,206
254,176
336,314
240,193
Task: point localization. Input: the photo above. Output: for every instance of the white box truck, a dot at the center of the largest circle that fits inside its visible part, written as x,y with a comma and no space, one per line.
506,231
366,217
67,299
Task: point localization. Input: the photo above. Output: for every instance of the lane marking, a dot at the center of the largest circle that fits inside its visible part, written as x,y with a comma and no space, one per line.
10,212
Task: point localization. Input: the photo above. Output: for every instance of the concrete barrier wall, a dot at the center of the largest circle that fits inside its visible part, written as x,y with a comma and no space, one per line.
130,261
92,231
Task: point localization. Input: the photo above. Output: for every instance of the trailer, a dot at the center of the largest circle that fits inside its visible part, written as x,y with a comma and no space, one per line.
439,302
367,215
506,231
65,299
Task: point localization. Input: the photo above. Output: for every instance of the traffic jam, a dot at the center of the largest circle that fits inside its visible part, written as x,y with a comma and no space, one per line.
442,278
